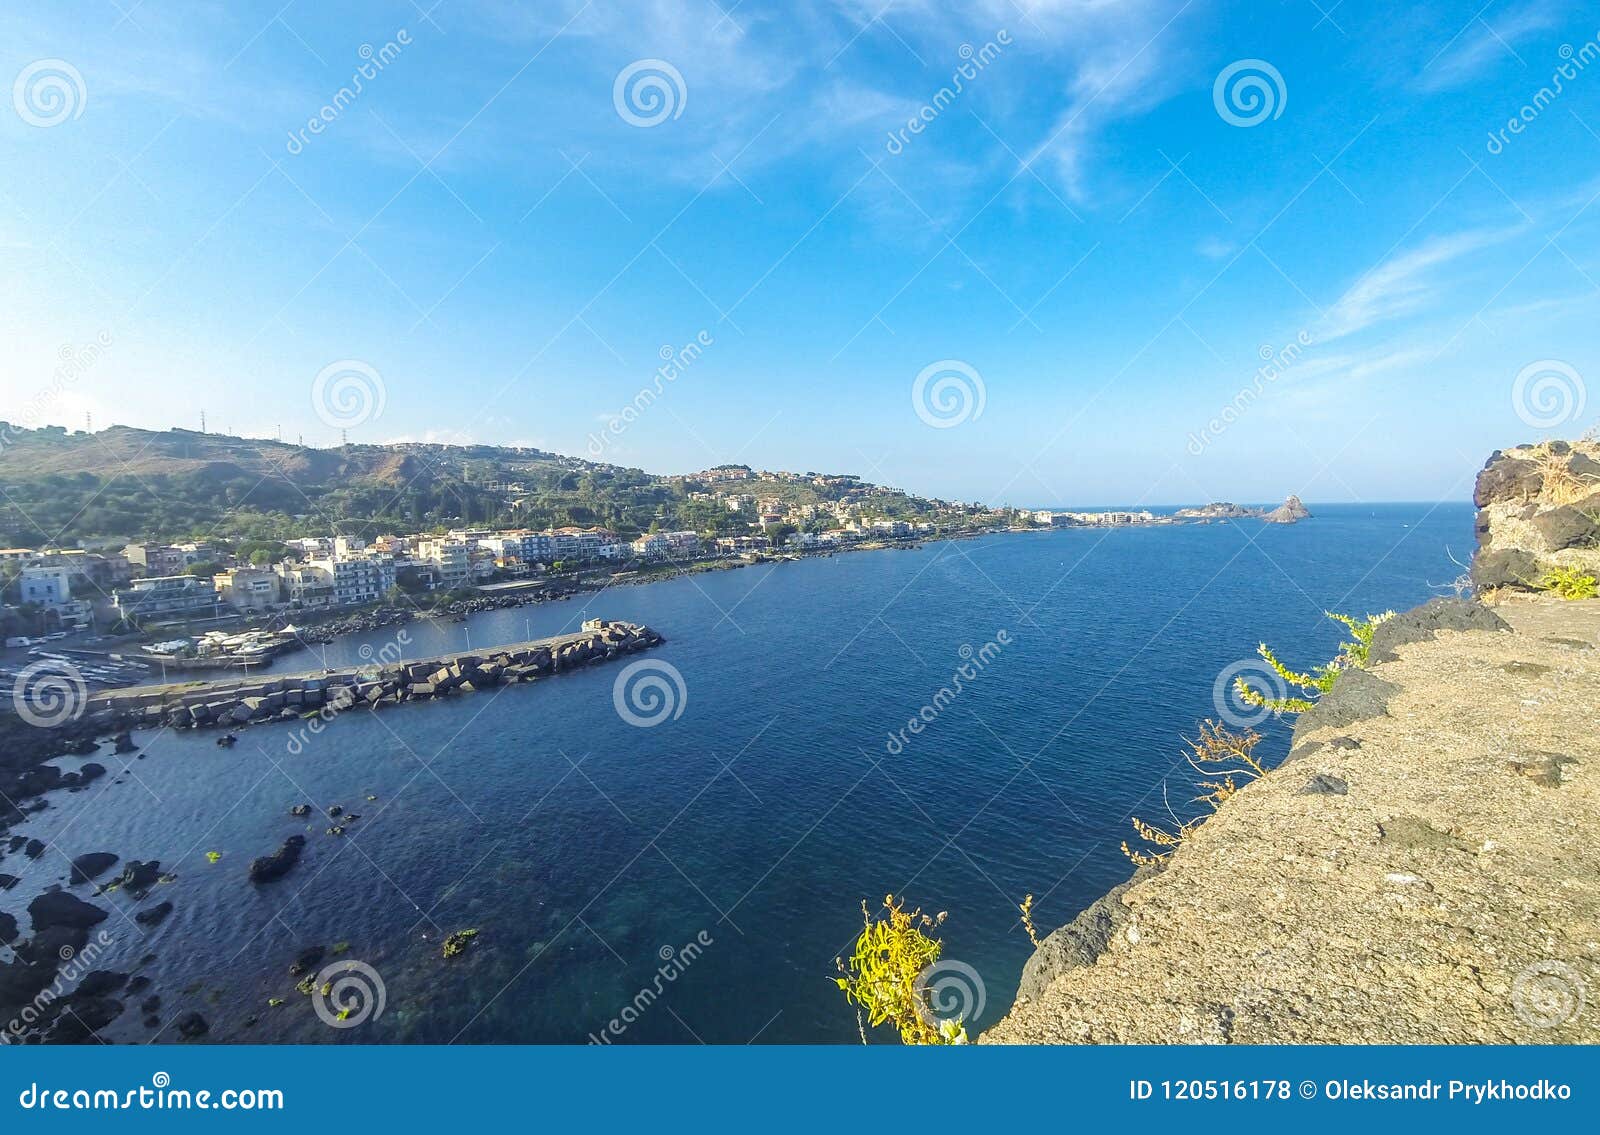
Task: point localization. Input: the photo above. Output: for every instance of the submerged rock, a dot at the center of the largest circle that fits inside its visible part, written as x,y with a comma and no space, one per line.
155,915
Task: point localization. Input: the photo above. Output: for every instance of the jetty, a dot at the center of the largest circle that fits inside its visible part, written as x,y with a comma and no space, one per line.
376,683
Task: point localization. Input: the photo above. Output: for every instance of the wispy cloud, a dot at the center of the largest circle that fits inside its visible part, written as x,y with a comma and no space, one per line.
1402,284
1484,42
1120,63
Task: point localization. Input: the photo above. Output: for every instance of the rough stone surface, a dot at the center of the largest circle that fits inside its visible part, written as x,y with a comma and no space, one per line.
1355,697
1404,911
1539,508
1505,567
1421,623
1078,943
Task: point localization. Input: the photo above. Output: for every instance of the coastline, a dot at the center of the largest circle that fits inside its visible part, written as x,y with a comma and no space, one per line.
1421,866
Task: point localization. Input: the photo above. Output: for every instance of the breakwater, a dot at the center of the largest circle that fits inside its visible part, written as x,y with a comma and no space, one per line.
376,683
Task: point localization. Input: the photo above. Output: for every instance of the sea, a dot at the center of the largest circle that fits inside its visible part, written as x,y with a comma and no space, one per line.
675,848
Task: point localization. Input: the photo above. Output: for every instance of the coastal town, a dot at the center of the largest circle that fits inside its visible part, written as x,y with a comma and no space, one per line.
234,591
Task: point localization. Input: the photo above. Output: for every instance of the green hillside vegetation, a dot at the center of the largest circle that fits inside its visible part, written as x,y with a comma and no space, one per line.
122,484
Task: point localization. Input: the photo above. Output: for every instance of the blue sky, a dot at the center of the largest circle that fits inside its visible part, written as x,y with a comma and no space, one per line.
1104,240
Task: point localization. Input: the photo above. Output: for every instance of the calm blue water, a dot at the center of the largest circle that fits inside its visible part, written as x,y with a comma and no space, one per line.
580,845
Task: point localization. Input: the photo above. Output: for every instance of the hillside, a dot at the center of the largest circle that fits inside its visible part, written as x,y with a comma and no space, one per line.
124,483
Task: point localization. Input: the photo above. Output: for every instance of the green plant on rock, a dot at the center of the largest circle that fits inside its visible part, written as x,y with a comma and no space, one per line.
882,976
1569,583
1312,685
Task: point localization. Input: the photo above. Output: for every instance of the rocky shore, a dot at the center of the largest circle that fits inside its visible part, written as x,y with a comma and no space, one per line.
1422,868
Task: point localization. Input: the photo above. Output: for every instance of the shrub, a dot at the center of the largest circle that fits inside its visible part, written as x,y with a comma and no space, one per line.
1226,761
1569,583
1319,681
882,976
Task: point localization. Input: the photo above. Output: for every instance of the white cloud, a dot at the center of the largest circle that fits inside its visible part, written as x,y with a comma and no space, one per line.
1402,285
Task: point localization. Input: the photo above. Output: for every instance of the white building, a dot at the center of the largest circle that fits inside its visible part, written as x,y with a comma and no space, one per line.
356,579
450,559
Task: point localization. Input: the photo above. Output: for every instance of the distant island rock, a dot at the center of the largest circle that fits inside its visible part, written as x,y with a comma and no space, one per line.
1290,511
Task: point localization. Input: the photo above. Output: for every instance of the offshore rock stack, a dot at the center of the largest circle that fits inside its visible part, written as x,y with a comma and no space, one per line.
236,703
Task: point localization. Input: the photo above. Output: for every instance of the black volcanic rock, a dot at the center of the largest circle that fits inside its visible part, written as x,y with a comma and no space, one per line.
138,876
269,868
59,909
1420,624
91,866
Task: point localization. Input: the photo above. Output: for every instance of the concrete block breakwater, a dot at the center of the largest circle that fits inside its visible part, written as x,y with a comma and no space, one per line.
233,703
